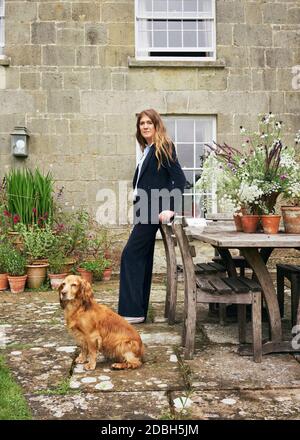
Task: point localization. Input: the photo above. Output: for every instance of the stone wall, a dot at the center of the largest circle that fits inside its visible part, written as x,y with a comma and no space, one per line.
70,83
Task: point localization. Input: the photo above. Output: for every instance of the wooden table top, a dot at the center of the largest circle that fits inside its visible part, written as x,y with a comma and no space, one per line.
236,240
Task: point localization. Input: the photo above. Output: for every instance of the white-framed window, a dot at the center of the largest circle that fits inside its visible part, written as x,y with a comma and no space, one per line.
2,36
190,134
175,29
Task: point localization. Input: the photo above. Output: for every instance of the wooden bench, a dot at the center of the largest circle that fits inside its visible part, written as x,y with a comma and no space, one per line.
292,273
216,289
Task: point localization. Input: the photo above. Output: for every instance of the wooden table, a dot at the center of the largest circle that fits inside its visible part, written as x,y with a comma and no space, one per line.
256,248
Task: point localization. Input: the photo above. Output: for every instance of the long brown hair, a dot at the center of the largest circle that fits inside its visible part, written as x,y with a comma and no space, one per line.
163,143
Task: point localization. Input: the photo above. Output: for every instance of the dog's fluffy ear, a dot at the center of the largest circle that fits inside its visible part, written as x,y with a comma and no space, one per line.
62,303
86,294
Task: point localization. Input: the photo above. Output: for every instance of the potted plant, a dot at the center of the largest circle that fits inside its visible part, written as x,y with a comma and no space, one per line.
16,268
57,269
39,243
4,251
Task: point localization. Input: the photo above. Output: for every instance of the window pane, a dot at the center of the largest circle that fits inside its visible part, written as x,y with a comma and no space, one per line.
189,39
160,39
185,130
160,5
204,130
189,175
190,25
175,25
199,205
185,154
175,5
170,126
192,206
205,6
175,39
190,5
200,151
159,25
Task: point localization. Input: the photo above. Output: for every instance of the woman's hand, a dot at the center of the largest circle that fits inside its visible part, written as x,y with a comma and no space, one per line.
165,216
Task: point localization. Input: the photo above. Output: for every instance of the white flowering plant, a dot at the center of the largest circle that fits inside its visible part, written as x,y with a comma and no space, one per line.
253,176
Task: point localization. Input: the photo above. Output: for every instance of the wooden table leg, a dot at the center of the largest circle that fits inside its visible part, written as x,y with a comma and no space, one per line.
256,261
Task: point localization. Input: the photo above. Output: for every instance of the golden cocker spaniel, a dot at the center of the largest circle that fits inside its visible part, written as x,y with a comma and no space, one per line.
97,328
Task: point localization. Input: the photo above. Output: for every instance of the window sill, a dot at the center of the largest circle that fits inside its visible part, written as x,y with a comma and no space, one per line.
133,62
4,60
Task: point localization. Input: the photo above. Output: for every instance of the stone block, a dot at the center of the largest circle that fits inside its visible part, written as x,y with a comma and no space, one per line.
177,102
41,126
239,82
279,57
43,33
234,56
95,33
252,35
284,79
293,15
126,145
40,100
27,55
13,101
120,34
30,80
274,13
2,78
17,33
52,80
224,123
263,79
55,11
121,12
86,126
9,121
77,80
25,12
214,80
257,57
116,56
12,77
101,78
230,12
87,56
58,55
113,167
119,123
102,144
72,37
88,11
250,122
292,102
288,39
66,101
276,102
253,13
118,81
224,34
62,126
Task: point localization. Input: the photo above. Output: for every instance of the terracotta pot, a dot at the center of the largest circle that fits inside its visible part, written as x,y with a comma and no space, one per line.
17,284
107,274
250,223
85,274
36,275
270,223
56,279
237,217
291,219
3,281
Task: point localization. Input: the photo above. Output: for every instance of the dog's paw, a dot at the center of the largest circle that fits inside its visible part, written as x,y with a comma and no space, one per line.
119,366
80,359
90,366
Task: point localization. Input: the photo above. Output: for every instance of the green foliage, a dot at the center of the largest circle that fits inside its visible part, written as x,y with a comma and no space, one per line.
15,262
29,197
13,406
57,263
5,249
38,242
96,266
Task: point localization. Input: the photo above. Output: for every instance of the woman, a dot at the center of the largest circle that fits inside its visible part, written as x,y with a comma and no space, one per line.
158,184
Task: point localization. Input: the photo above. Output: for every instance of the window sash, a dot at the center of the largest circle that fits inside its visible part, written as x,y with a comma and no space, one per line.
149,38
2,33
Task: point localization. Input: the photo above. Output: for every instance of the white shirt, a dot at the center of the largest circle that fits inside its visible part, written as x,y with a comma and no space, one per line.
140,164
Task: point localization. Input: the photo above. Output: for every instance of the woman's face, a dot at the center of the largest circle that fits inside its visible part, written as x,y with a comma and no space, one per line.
147,129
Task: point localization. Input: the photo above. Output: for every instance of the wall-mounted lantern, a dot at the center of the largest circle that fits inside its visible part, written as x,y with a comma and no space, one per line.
19,141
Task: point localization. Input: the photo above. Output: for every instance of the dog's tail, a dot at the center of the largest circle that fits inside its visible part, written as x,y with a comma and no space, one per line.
132,355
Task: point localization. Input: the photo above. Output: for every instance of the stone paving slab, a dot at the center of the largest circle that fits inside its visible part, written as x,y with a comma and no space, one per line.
100,406
159,372
221,367
41,368
243,405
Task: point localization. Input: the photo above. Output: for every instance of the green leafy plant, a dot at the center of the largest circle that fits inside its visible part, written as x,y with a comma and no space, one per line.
57,263
5,249
97,266
38,242
29,197
15,263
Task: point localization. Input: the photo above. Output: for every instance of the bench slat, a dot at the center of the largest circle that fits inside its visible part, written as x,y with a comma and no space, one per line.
236,285
204,285
217,266
207,268
251,284
219,285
